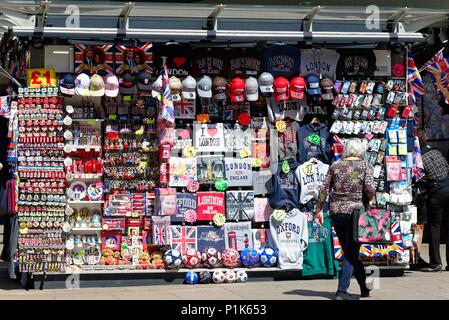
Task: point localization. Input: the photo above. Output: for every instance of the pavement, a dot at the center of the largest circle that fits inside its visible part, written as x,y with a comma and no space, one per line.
411,286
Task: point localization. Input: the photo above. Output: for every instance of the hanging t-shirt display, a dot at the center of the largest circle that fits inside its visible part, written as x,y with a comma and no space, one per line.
210,168
281,60
210,62
232,110
183,138
360,63
319,256
209,203
285,189
261,182
236,138
280,110
319,61
238,235
286,142
239,205
184,202
311,176
238,172
210,237
245,62
208,137
313,143
177,57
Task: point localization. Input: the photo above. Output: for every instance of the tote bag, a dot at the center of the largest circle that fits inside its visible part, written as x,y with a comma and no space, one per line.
372,226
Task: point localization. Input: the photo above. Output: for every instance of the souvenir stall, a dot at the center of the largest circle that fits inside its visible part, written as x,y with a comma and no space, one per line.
167,158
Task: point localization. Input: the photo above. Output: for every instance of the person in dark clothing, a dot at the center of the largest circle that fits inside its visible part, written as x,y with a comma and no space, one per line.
436,184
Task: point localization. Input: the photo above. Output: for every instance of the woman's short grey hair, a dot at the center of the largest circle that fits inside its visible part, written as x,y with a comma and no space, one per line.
354,148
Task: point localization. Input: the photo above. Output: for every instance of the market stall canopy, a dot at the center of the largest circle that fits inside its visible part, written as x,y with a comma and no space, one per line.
335,22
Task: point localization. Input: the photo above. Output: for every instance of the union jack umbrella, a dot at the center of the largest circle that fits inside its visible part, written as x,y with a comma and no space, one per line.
366,251
338,251
397,246
183,238
168,112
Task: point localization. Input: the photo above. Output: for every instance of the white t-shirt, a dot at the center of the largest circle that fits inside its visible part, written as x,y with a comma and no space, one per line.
319,60
311,175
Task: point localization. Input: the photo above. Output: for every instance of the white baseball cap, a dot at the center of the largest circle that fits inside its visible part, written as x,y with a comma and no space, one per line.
82,84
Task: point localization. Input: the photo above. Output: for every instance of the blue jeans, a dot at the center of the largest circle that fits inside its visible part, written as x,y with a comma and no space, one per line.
351,263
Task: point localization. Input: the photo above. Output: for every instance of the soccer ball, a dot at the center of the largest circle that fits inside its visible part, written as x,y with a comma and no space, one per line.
230,276
211,258
172,259
191,259
249,257
230,258
269,257
191,277
218,276
205,277
242,276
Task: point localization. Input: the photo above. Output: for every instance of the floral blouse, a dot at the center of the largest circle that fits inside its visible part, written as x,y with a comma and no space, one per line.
345,184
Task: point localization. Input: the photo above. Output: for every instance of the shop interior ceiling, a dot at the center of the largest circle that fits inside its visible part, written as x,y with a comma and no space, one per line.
337,22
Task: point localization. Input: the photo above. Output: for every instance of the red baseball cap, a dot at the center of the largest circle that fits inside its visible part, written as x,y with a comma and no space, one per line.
237,90
297,88
281,88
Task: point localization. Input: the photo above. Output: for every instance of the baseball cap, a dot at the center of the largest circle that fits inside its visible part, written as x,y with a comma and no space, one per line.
127,84
67,84
251,89
82,84
156,89
313,85
111,85
189,88
175,88
327,84
297,88
266,83
237,89
96,87
144,81
219,88
205,87
281,88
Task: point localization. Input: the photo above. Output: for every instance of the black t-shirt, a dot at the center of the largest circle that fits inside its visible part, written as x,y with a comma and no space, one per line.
245,62
356,63
210,62
177,57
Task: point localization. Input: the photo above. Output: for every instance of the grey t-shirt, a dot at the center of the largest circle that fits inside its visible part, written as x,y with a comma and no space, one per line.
285,142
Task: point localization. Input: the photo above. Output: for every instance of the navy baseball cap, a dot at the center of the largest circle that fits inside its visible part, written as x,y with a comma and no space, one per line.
67,84
313,85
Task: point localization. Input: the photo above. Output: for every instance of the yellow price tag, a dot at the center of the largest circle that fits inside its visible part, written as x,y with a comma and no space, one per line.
42,77
256,163
245,153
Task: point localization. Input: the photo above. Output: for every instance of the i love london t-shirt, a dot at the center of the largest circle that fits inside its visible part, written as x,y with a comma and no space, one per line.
319,61
178,59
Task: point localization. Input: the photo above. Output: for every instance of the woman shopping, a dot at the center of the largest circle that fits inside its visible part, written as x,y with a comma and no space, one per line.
349,182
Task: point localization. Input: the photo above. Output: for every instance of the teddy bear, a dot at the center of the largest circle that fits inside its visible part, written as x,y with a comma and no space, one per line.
107,257
156,260
144,261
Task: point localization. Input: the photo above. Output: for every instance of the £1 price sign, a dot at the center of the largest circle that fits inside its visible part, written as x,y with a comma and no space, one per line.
42,77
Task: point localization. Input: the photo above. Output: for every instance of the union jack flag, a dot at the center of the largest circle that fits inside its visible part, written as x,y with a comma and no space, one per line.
183,238
168,112
414,79
338,251
397,246
185,109
440,74
337,147
160,234
437,58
